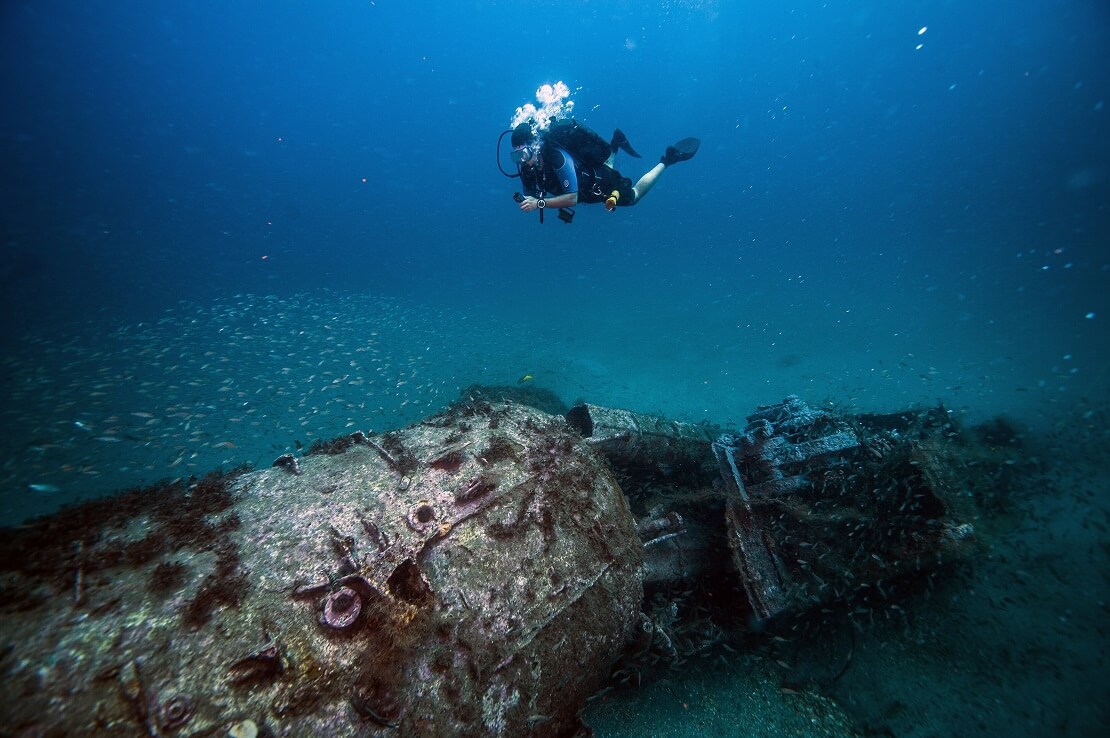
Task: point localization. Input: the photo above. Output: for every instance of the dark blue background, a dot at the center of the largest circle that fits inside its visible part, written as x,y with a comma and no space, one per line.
155,151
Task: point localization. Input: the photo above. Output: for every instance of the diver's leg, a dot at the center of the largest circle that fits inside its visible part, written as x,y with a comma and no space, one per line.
647,181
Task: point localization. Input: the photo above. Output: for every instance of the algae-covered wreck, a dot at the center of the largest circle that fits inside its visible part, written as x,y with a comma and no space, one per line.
477,573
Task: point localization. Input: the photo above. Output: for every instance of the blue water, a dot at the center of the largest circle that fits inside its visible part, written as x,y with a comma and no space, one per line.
895,203
158,151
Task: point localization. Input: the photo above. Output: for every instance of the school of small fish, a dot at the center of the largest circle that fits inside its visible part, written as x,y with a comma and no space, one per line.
243,379
240,380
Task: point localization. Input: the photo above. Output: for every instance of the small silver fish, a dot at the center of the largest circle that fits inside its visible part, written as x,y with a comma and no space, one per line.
44,488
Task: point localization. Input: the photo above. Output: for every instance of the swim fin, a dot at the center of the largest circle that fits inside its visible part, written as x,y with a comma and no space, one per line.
620,141
681,151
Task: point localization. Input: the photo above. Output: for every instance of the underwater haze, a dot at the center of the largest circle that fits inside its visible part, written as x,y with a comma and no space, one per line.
231,229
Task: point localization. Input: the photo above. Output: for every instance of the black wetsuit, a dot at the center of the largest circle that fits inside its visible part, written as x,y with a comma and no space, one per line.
561,174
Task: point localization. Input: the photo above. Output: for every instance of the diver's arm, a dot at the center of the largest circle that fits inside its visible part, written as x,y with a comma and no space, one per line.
567,200
567,180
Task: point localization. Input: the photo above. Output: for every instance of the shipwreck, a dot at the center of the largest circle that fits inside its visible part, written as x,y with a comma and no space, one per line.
481,572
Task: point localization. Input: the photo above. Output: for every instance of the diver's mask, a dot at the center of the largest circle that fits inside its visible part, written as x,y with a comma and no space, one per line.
521,155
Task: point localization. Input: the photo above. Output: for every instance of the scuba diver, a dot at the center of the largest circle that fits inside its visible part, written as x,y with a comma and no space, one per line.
567,164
